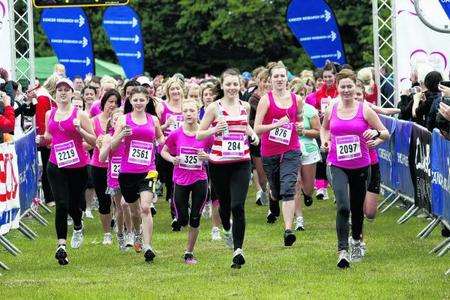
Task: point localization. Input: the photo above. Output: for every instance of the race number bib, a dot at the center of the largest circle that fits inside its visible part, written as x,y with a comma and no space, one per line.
66,154
140,153
189,159
178,121
348,147
281,134
115,166
233,145
324,103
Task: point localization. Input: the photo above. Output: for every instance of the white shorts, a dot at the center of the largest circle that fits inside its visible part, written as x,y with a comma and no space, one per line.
311,158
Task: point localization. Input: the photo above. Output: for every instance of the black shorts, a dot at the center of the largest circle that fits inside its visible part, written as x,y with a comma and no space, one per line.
255,151
132,184
374,179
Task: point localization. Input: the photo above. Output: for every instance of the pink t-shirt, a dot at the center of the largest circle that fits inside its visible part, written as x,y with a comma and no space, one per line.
95,109
190,169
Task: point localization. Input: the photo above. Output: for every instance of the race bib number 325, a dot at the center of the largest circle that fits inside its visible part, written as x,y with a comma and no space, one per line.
348,147
140,153
189,159
66,154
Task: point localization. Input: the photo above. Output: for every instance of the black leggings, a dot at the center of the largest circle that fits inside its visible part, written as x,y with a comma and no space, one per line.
45,155
230,182
349,186
99,176
68,187
199,192
321,166
165,171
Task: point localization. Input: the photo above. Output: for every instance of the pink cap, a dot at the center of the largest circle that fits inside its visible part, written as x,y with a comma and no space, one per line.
66,81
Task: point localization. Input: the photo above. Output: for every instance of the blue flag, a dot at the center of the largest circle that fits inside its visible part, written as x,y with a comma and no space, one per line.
123,27
440,183
314,25
68,32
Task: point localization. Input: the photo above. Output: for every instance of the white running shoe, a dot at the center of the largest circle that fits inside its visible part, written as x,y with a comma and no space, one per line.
121,241
215,234
69,221
129,239
320,194
343,260
107,239
325,194
356,251
299,224
88,214
77,239
258,197
228,238
207,210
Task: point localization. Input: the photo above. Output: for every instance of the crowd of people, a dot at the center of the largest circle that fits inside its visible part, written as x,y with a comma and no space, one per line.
204,140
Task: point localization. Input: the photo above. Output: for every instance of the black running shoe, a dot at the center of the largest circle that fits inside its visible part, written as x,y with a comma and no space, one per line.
307,199
238,259
289,238
149,255
271,218
61,255
175,225
153,210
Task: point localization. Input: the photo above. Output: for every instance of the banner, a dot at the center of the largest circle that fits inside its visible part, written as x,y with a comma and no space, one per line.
28,169
420,166
7,50
68,32
417,42
123,27
9,189
386,153
314,25
440,184
401,171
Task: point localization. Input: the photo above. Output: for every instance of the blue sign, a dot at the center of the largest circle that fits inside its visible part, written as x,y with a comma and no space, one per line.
440,182
401,172
68,32
314,25
386,153
123,27
446,6
28,169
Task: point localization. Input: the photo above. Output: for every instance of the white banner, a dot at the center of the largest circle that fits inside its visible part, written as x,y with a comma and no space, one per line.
6,33
417,42
9,189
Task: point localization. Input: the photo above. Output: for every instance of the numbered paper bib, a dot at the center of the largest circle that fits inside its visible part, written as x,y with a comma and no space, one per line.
324,103
179,119
115,166
348,147
66,154
281,134
233,145
189,159
140,153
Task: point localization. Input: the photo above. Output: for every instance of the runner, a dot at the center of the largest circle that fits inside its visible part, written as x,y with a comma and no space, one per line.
278,118
188,155
110,101
139,131
229,161
347,135
171,117
66,127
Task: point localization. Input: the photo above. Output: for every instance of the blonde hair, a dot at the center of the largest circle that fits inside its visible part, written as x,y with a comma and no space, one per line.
50,84
108,79
307,73
346,74
171,81
365,75
275,65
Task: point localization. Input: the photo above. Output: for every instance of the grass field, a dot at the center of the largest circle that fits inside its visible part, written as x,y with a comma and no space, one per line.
397,264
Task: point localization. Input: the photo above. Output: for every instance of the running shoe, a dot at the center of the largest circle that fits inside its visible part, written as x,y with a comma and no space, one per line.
238,259
215,234
121,241
307,199
189,258
137,242
77,239
325,194
228,238
51,204
107,239
258,198
320,194
343,260
88,214
299,224
271,218
206,213
153,209
69,221
175,225
356,252
289,238
149,255
61,255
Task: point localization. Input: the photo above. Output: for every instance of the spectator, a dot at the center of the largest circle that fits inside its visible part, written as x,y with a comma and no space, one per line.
443,116
7,119
424,100
78,83
370,87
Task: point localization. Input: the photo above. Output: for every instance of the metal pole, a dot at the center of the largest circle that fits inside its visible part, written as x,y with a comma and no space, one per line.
376,46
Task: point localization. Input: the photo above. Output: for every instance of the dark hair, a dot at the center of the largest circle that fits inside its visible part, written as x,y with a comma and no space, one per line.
128,84
346,66
432,80
150,108
318,73
96,79
344,74
329,66
109,94
229,72
88,87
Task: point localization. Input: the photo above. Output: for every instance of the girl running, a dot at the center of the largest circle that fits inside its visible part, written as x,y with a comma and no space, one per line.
278,118
229,161
138,131
188,156
66,128
346,132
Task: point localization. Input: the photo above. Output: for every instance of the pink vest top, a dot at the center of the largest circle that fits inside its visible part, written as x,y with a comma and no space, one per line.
348,147
67,144
98,132
139,149
166,113
283,139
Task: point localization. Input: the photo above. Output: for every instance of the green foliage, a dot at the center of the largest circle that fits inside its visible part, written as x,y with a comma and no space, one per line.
207,36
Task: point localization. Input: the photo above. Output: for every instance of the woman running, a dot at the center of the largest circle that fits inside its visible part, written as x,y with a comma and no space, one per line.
278,117
171,117
188,155
110,101
229,161
346,132
138,131
66,128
